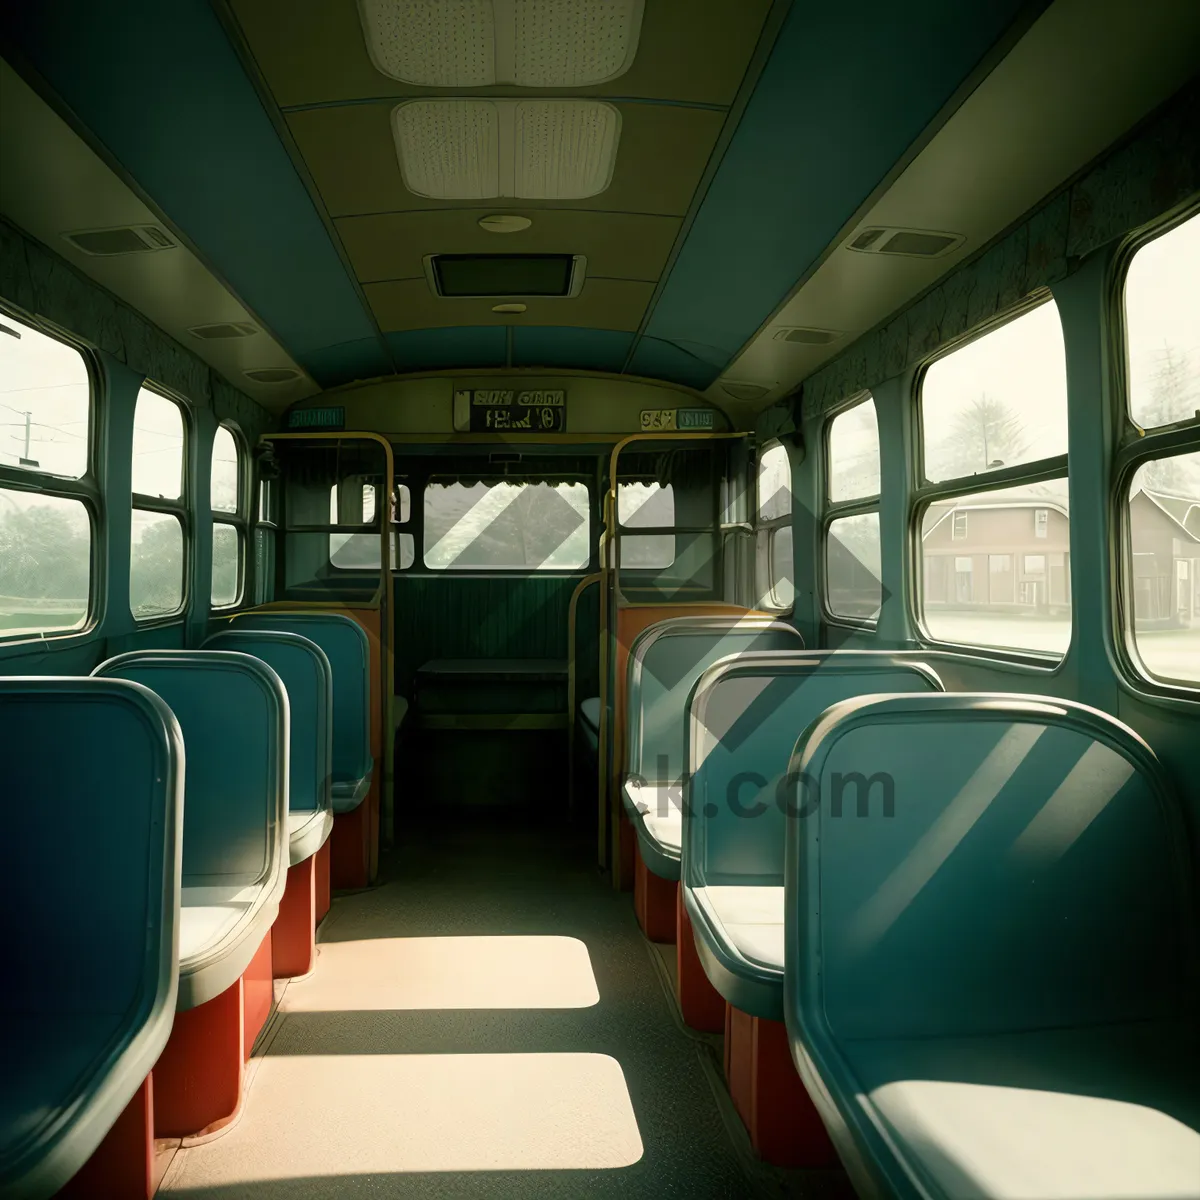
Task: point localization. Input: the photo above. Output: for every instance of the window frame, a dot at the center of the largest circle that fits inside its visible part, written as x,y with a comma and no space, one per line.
239,519
1134,447
834,510
925,493
765,531
85,489
179,508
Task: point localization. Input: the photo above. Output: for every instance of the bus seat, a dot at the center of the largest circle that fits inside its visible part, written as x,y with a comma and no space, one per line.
664,663
345,645
94,830
745,715
233,711
993,992
304,671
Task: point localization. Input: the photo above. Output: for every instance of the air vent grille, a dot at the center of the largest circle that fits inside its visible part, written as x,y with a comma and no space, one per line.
908,243
124,239
223,329
805,336
272,374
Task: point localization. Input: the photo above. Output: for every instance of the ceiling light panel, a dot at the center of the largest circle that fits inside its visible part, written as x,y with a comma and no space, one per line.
478,43
523,149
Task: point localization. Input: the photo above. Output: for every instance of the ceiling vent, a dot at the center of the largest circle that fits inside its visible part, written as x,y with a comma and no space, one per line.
908,243
124,239
272,374
480,43
804,336
744,391
222,330
525,149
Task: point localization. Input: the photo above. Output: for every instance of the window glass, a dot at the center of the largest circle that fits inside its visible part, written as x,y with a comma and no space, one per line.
854,453
852,564
156,565
998,401
1164,567
506,526
225,472
402,505
1162,324
783,589
45,563
264,500
157,446
645,505
1005,580
226,548
647,551
45,402
774,484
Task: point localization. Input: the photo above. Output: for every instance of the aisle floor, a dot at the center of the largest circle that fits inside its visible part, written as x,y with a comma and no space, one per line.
488,1021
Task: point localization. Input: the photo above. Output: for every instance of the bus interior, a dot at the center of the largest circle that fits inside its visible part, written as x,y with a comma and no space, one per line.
600,598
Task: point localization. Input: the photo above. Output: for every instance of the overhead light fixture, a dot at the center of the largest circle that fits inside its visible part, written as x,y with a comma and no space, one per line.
807,336
272,374
504,223
525,149
480,43
464,276
509,308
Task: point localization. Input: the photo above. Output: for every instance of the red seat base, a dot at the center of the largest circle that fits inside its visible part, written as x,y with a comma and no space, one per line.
702,1006
198,1079
324,898
129,1164
350,856
653,901
293,947
769,1095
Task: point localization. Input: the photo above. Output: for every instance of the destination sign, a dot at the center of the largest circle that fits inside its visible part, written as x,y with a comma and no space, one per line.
511,410
316,418
678,420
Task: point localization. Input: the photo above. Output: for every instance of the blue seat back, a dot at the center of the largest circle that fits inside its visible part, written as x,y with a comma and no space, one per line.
345,644
233,712
92,782
304,671
743,721
1033,875
665,661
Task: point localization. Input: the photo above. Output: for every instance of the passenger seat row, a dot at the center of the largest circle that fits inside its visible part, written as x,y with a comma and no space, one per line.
950,935
172,816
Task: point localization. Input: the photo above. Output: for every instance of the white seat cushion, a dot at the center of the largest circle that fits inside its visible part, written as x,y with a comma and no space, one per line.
220,929
307,830
666,831
752,919
1076,1114
657,799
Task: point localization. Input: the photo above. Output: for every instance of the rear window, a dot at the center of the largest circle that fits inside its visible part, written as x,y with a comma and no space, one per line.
507,526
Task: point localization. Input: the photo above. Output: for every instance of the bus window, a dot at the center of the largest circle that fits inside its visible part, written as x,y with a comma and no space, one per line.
646,506
1163,567
773,537
853,589
156,565
45,416
1162,327
994,564
45,535
507,526
998,401
227,497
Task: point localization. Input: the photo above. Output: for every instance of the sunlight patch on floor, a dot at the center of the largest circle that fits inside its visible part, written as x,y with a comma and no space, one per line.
440,973
370,1114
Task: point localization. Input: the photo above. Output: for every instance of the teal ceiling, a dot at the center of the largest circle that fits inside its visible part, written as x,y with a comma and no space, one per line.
844,93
